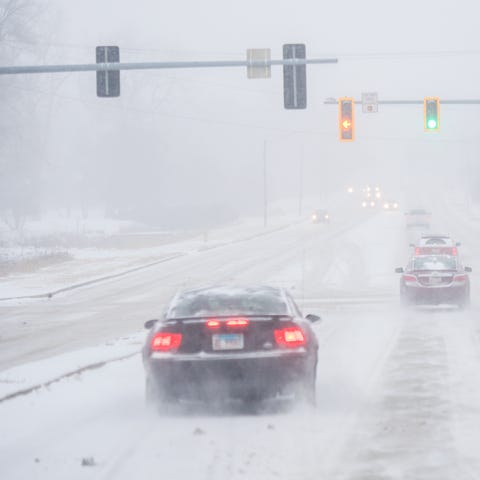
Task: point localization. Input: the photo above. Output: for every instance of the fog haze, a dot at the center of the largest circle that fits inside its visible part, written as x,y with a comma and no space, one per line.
190,143
112,207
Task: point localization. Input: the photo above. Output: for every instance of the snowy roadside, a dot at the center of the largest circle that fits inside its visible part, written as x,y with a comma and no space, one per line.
41,374
88,265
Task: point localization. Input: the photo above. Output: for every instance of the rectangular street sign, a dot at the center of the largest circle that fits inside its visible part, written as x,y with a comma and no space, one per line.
370,102
258,55
294,77
108,82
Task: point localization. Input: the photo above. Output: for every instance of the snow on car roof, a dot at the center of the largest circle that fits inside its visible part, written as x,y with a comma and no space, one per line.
428,239
418,211
435,235
229,300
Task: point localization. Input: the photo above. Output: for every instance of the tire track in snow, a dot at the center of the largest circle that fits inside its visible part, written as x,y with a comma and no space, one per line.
463,348
407,431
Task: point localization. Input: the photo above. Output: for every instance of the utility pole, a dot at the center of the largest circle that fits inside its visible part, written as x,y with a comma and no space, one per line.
300,183
265,200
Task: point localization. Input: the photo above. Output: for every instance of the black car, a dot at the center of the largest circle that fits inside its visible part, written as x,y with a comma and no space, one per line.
435,279
320,216
226,343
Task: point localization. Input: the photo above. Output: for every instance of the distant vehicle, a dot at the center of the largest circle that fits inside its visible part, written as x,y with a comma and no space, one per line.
369,203
224,343
417,217
372,192
436,244
320,216
433,280
390,205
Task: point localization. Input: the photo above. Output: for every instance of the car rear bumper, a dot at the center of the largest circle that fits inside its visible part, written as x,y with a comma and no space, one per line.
435,295
418,225
233,375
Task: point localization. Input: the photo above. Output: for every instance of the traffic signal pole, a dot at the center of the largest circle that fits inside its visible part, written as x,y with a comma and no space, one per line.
88,67
468,101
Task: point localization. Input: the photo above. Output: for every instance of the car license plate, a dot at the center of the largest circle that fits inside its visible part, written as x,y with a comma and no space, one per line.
435,280
227,341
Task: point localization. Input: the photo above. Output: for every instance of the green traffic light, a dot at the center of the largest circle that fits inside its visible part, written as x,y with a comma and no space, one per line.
431,111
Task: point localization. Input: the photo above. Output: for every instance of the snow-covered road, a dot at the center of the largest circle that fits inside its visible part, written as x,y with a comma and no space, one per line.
36,329
398,390
101,414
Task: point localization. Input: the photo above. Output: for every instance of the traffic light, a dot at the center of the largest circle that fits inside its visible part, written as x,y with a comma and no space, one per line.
108,81
431,114
346,119
294,77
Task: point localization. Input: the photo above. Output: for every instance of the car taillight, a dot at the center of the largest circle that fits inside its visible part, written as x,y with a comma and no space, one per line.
237,322
213,323
409,278
290,337
459,278
417,251
232,322
165,341
454,251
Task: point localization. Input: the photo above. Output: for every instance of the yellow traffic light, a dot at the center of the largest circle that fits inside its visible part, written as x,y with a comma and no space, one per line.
346,119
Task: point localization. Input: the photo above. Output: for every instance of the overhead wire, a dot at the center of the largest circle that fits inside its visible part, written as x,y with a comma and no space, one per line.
155,112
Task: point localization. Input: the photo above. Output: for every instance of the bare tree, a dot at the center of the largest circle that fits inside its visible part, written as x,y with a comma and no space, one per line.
16,19
18,170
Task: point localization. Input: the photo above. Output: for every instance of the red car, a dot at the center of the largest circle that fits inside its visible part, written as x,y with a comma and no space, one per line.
434,280
436,244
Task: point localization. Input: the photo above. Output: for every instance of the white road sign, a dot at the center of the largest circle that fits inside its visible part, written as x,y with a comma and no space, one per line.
258,55
370,102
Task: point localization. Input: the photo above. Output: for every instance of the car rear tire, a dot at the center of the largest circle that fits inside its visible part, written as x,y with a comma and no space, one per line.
464,303
405,301
307,389
310,394
151,394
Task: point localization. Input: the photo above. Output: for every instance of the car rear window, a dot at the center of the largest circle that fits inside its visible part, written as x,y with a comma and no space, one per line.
435,241
201,304
434,263
418,212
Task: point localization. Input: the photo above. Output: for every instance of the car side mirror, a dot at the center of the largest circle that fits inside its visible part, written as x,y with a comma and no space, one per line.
411,245
468,269
399,270
150,323
313,318
458,244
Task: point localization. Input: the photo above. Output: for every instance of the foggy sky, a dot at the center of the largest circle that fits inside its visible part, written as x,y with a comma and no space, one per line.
197,136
